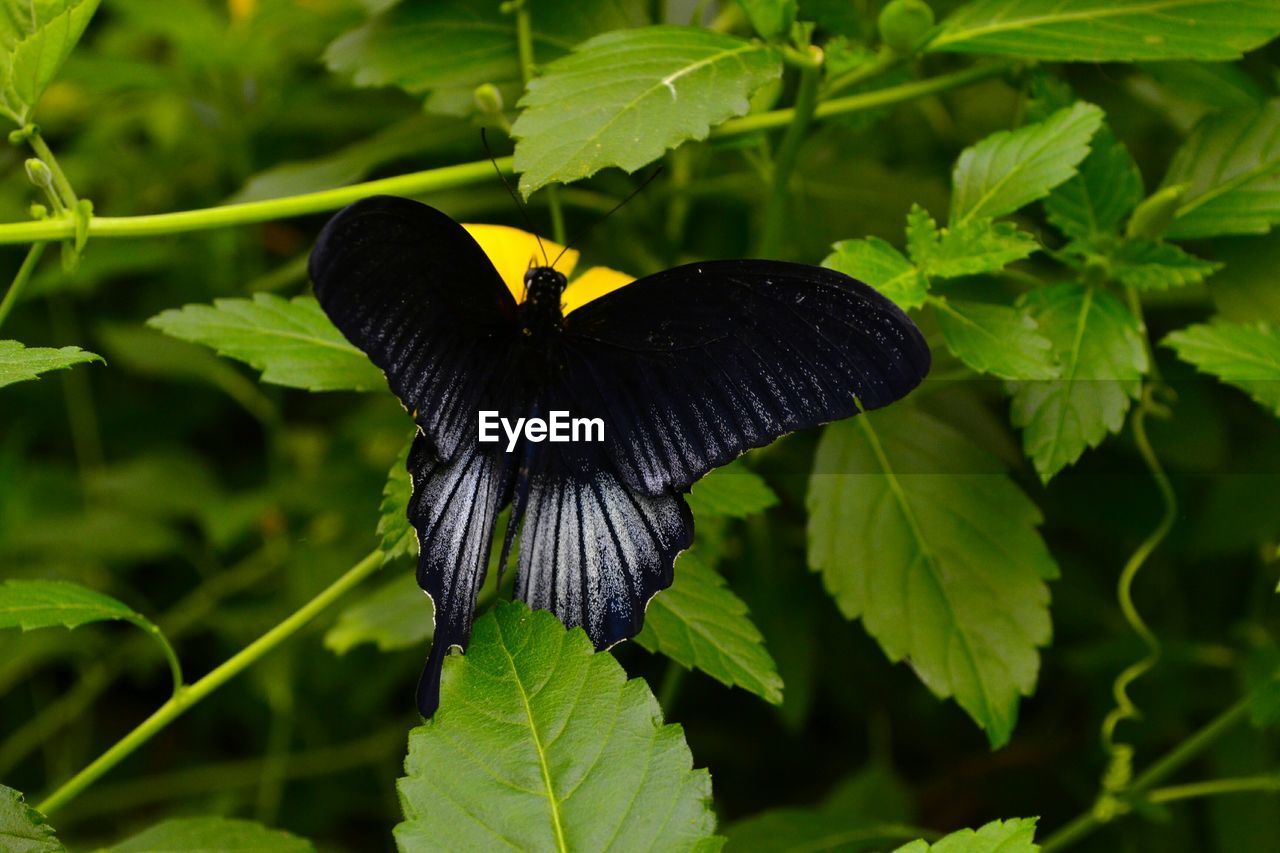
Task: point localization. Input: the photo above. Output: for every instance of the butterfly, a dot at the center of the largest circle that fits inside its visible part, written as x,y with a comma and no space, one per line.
686,369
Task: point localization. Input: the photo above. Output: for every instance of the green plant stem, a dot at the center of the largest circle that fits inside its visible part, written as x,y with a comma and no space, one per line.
884,60
784,161
170,656
189,696
1217,787
1085,824
524,43
446,177
669,690
20,280
60,182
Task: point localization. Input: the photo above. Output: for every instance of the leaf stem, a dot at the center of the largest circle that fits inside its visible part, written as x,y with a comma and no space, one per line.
883,61
189,696
669,690
20,280
170,656
785,160
446,177
1268,784
524,42
60,182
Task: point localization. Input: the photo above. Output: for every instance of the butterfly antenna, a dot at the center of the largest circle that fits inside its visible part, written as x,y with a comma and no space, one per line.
524,213
612,211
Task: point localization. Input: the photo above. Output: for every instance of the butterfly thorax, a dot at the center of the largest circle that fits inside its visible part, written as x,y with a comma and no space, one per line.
540,314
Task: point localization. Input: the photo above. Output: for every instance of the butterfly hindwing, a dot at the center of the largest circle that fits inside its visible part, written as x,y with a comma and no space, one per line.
411,288
693,366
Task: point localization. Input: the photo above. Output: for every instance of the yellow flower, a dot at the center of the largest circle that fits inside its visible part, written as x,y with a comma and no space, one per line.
511,249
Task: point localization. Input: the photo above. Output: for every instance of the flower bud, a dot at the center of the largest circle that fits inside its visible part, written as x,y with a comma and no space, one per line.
903,23
38,173
488,99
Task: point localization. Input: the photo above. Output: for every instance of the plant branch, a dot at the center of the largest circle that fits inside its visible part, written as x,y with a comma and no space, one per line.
189,696
1269,784
785,160
446,177
20,280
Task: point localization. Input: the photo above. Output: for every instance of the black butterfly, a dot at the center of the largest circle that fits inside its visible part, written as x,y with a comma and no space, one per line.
688,369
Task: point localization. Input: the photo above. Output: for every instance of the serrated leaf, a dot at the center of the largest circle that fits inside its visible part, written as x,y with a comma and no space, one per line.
459,44
770,18
398,536
35,39
1153,265
548,746
292,342
203,834
1240,354
1230,166
976,246
19,363
1013,168
1015,835
31,604
919,533
700,623
1110,30
24,829
396,615
732,491
880,265
996,339
1010,169
624,98
1096,201
1098,348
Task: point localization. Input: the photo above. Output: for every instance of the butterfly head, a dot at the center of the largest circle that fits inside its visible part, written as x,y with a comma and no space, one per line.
543,285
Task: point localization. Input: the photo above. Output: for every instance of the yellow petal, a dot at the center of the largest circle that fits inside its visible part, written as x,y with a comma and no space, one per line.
592,284
511,250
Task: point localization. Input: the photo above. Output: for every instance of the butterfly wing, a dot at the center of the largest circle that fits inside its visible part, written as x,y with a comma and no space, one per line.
411,288
691,367
688,369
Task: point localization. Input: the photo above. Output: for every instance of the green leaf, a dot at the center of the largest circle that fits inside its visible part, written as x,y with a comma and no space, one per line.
1095,202
1262,678
31,604
919,533
548,746
35,39
19,363
701,624
1013,168
203,834
1110,30
883,267
1153,265
24,829
396,615
1098,348
770,18
1016,835
1240,354
733,491
399,539
291,341
459,44
976,246
624,98
1230,166
995,339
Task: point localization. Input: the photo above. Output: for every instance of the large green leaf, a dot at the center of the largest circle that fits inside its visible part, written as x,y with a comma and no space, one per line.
624,98
1015,167
291,341
398,536
732,491
919,533
24,829
548,746
1110,30
996,339
1240,354
206,834
459,44
31,604
1230,166
883,267
1098,348
701,624
1016,835
19,363
976,246
1095,202
1151,265
35,39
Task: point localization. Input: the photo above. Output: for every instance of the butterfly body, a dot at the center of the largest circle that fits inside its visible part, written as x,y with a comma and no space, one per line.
685,370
